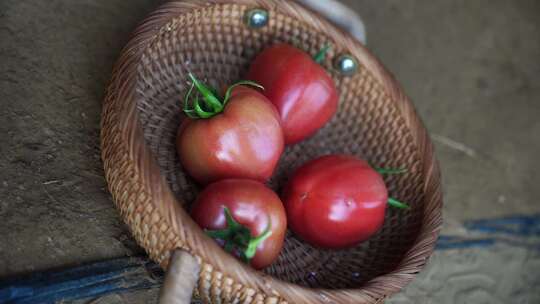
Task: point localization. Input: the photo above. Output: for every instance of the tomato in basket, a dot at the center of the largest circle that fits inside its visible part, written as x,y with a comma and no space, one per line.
245,217
337,201
303,92
237,136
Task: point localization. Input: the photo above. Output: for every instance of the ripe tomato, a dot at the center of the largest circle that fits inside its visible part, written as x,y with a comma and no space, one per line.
256,227
335,201
240,137
304,94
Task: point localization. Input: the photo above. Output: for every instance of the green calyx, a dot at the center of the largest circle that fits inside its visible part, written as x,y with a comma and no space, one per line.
237,237
206,103
321,55
392,201
390,171
397,204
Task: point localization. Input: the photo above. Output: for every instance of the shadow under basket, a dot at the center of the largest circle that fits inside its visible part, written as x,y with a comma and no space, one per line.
375,121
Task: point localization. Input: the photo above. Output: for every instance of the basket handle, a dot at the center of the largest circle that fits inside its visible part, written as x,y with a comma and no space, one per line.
180,279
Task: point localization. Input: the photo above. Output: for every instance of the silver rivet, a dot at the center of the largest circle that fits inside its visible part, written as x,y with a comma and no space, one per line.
257,18
346,65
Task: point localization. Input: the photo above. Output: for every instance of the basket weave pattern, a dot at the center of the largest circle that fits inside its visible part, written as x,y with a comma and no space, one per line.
375,121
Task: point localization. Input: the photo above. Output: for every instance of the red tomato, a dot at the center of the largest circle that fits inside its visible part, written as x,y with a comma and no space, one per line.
335,201
253,206
301,89
242,139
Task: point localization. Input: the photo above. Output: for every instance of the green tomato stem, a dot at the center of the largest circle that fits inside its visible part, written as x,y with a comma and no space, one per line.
321,55
199,110
237,237
397,204
392,201
189,112
218,234
242,82
211,104
390,171
211,100
229,246
231,222
254,242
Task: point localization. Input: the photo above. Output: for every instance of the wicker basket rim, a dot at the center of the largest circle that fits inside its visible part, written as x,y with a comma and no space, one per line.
120,118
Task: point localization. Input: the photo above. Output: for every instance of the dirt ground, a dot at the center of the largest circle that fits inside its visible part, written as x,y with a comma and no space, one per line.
56,58
471,67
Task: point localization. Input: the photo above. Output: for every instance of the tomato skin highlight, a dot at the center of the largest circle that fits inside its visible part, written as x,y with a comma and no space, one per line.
302,91
251,204
244,141
335,201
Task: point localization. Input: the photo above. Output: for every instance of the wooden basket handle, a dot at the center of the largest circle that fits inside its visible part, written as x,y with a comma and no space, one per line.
180,280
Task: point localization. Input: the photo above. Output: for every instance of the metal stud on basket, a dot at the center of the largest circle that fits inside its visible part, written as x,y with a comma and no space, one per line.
346,65
256,18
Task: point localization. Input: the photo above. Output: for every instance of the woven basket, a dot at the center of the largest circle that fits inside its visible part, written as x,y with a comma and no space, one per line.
375,121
